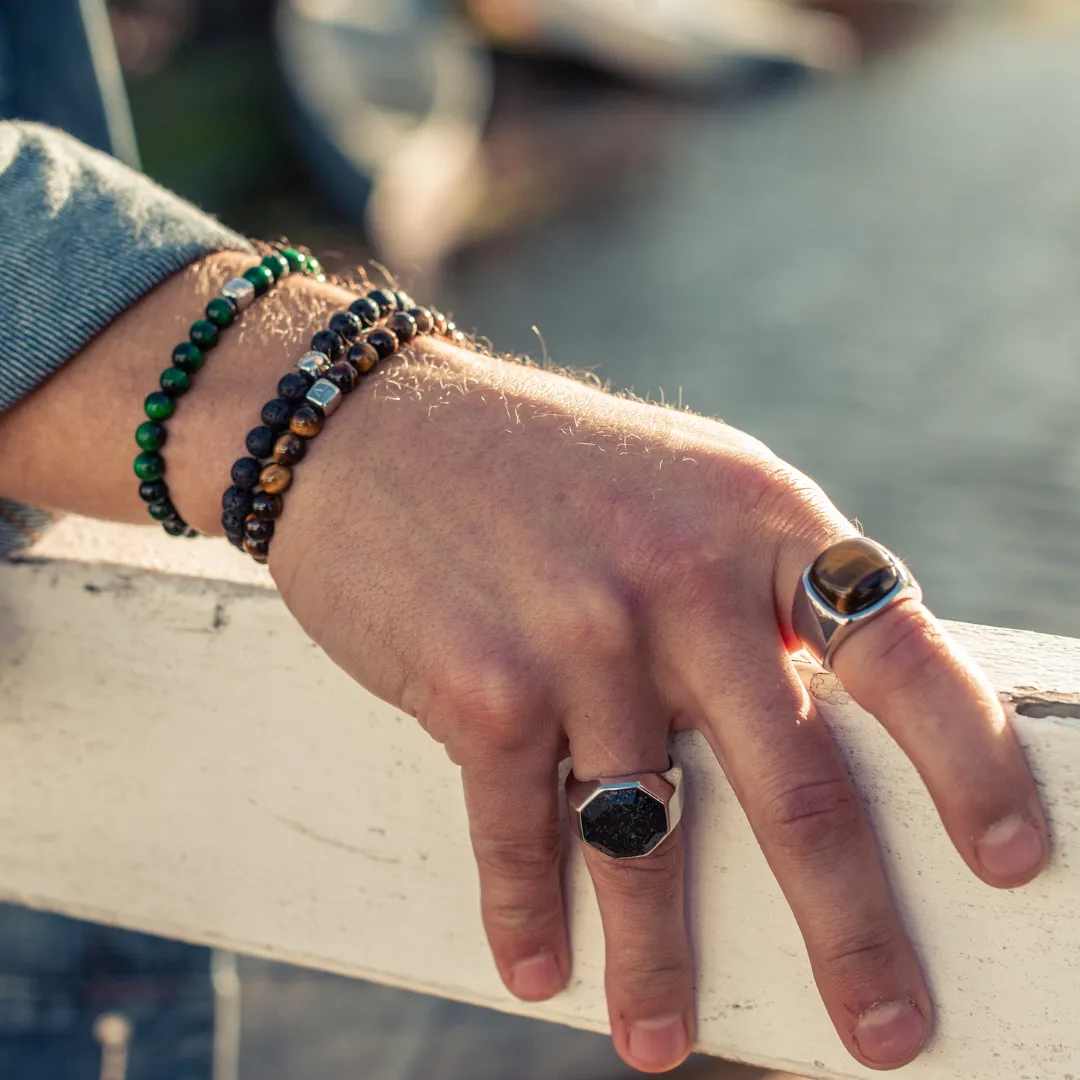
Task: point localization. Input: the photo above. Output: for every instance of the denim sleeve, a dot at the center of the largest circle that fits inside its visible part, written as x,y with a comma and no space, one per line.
82,237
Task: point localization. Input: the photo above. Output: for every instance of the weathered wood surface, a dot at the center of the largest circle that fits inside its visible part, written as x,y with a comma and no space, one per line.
143,783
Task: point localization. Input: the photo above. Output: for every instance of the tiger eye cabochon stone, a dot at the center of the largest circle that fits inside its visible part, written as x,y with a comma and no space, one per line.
853,575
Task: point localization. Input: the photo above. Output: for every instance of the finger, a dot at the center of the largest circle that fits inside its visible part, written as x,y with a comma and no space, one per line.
648,970
940,708
516,838
810,822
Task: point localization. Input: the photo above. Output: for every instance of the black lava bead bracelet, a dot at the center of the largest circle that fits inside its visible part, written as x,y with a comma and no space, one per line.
187,358
373,329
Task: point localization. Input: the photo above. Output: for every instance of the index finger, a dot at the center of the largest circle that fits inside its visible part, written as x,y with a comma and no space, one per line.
902,667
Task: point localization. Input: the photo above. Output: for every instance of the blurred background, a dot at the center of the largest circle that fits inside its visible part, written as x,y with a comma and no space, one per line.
852,229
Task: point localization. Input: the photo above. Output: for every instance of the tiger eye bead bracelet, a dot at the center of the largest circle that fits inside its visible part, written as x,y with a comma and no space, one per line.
187,359
373,329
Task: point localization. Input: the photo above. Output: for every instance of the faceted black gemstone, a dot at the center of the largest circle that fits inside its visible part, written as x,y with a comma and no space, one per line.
260,442
386,300
276,414
232,521
329,342
346,325
294,386
245,473
175,526
383,341
259,528
238,499
403,325
624,822
266,506
367,311
153,491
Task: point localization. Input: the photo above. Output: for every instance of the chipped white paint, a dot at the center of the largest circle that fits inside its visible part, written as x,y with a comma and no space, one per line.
175,756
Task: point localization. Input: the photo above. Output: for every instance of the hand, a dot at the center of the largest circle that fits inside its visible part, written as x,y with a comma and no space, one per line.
533,568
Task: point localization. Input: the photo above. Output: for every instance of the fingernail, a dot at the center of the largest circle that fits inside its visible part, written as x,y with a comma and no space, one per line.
890,1032
658,1043
1011,849
536,978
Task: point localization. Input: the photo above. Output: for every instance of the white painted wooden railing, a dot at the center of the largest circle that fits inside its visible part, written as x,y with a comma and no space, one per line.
143,783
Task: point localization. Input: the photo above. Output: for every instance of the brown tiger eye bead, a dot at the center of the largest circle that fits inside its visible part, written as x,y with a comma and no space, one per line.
306,422
259,528
403,326
425,321
383,341
275,478
440,322
289,449
343,376
363,357
853,574
257,549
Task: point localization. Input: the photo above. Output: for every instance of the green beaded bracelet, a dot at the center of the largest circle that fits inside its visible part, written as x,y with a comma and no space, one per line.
187,359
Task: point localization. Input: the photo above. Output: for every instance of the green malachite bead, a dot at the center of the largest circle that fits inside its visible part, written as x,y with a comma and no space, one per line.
159,406
314,267
204,333
149,466
260,277
220,312
150,435
296,261
187,356
175,382
276,264
159,511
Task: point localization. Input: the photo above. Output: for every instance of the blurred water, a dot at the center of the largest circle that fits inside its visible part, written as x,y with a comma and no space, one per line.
879,277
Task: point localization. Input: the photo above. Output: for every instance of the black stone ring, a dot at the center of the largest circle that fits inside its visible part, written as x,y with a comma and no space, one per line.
845,587
626,817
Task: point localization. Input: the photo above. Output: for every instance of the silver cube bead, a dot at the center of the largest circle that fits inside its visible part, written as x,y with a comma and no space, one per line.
315,364
240,291
325,396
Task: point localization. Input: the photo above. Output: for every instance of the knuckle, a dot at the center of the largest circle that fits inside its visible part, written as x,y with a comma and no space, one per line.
855,962
493,695
593,621
814,817
524,861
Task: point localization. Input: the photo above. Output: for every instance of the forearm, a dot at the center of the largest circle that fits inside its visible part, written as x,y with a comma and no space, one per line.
70,444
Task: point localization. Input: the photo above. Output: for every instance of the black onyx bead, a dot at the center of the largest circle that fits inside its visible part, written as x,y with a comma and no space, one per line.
367,311
403,326
383,341
260,441
853,575
425,321
386,300
624,822
237,499
266,506
346,325
245,472
153,491
329,342
259,528
404,300
232,521
276,414
175,526
294,386
343,375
